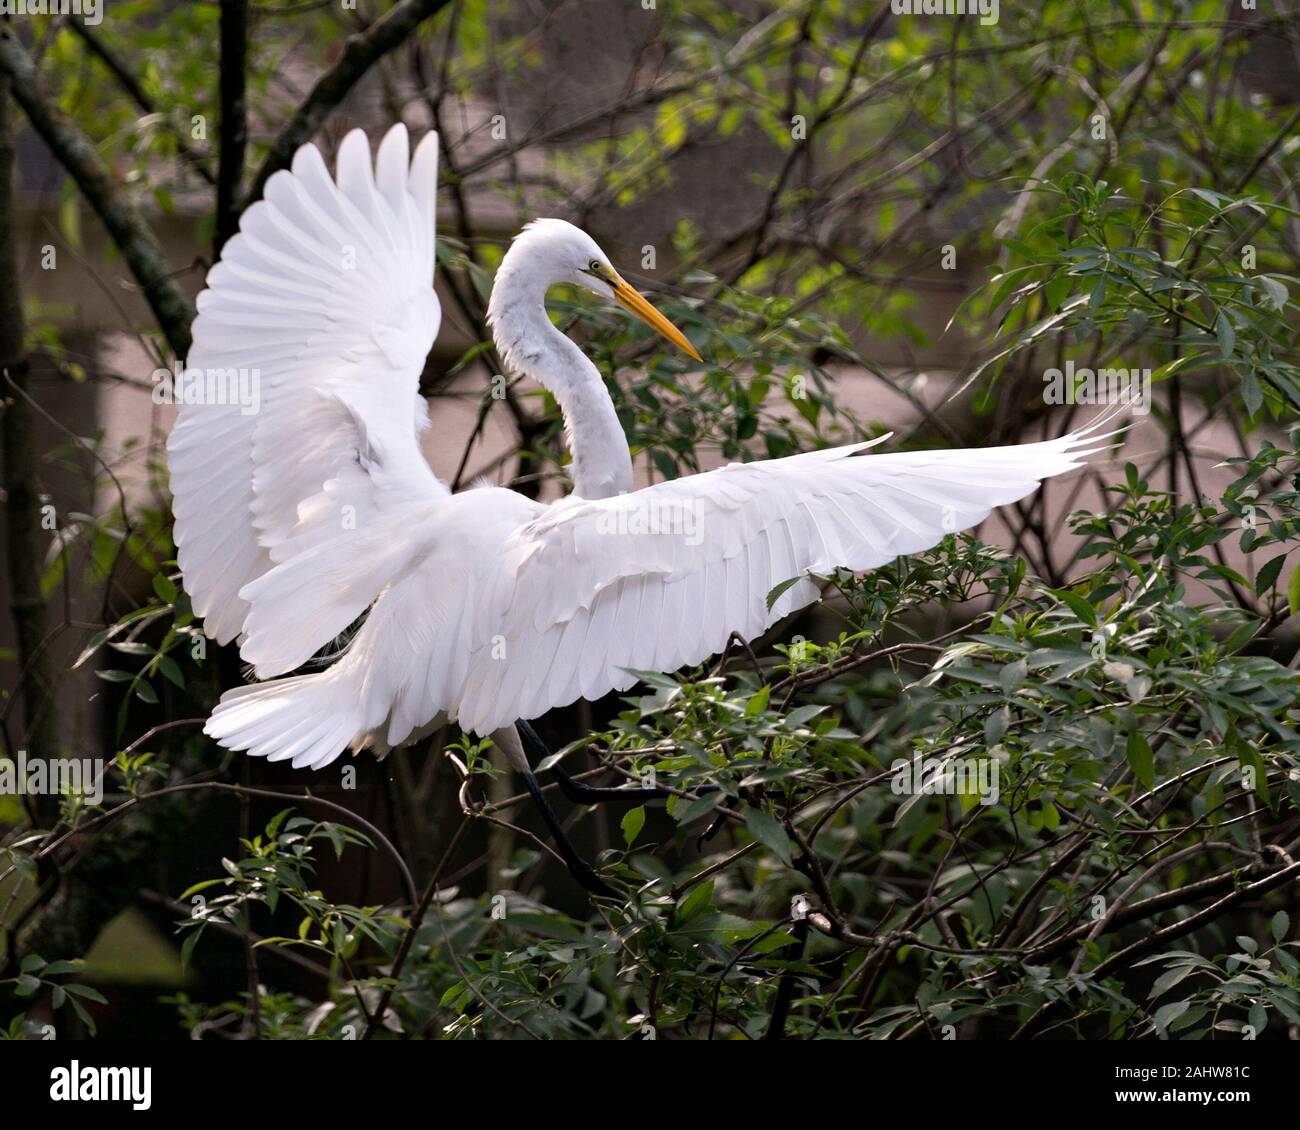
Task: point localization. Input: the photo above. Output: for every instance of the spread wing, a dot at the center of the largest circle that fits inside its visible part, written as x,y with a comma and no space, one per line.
287,503
660,578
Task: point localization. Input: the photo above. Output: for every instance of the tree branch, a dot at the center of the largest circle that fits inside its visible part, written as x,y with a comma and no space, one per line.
360,53
139,96
234,119
76,152
18,478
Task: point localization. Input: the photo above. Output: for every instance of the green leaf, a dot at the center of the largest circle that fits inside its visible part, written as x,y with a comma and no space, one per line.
26,985
1167,1014
764,828
1169,978
1013,674
26,866
455,990
70,220
665,463
1141,759
801,716
199,886
171,671
1293,592
693,903
1216,200
632,823
1280,924
1251,394
1226,334
1080,606
1266,578
85,1017
1274,289
779,590
684,811
1051,816
1258,1017
187,947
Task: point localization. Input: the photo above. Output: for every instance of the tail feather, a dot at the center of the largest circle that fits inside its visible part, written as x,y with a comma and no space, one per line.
307,720
319,589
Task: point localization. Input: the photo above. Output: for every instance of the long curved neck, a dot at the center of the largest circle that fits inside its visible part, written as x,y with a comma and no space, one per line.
531,345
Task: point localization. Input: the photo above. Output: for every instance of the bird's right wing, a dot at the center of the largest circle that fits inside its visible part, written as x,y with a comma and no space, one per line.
660,578
293,505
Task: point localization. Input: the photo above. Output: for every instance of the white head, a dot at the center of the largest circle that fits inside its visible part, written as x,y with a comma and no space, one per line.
560,251
549,252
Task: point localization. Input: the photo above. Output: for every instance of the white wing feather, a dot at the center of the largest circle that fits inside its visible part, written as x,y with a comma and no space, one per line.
326,294
660,578
520,608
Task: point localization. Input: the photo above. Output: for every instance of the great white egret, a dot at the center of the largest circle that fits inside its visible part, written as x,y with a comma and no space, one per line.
484,607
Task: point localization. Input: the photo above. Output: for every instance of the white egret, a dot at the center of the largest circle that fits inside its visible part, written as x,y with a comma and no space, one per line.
485,607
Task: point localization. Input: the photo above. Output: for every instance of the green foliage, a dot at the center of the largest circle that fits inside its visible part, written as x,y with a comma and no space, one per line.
1166,278
1142,748
36,975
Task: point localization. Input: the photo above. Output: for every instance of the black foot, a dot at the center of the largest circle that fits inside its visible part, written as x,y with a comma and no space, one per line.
711,831
578,791
581,793
589,880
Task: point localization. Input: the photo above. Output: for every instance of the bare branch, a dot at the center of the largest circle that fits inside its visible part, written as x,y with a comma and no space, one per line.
77,153
234,118
360,53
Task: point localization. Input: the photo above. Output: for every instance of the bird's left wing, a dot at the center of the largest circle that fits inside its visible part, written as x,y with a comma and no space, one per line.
660,578
291,502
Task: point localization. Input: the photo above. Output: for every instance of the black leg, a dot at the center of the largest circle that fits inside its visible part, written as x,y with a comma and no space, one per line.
581,793
578,791
579,868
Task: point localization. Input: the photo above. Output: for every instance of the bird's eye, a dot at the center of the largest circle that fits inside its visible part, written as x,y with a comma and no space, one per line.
594,266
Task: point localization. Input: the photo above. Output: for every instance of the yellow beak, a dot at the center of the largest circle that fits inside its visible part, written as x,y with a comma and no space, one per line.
636,303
